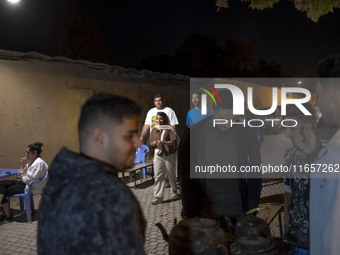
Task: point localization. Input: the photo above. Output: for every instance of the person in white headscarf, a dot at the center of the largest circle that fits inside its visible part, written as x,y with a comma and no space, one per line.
164,138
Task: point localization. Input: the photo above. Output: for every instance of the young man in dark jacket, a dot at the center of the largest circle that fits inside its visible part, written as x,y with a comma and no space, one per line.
85,209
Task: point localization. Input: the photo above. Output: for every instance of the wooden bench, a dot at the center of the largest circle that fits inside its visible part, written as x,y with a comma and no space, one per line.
138,167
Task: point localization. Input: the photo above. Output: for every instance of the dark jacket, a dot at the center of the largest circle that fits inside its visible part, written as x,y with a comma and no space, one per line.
194,190
85,209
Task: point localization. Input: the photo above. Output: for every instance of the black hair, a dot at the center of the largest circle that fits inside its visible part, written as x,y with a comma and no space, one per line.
196,92
158,95
226,98
35,147
165,117
110,106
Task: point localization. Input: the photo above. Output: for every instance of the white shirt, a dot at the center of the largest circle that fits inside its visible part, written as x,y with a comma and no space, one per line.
35,171
150,119
325,203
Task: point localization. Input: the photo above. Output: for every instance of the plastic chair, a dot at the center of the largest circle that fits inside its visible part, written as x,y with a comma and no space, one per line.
27,199
140,156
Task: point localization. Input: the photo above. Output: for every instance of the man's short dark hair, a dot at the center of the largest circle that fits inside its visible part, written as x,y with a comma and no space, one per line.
196,92
226,98
101,106
158,95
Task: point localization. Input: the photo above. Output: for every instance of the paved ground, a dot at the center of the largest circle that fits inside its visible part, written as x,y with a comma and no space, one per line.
19,237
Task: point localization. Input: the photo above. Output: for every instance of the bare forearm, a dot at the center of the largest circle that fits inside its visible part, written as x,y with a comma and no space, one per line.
144,131
169,143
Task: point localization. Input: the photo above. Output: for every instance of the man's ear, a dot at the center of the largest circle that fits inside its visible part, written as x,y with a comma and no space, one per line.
99,137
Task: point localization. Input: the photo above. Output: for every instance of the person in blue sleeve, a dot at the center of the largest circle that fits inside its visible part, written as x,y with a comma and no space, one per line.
194,115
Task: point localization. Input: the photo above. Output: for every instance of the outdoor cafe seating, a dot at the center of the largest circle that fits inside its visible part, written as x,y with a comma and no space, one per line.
26,198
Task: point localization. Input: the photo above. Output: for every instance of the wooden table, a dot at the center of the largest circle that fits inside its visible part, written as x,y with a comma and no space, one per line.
138,166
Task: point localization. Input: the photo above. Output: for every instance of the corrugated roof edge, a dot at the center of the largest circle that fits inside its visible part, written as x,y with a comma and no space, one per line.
15,55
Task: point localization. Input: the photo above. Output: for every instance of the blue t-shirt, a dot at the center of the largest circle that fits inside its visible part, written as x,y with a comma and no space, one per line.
194,116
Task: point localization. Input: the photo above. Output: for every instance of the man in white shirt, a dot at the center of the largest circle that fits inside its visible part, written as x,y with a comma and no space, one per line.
150,120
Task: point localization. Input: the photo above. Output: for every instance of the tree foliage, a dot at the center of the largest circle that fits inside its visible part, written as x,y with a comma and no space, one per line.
313,8
201,56
78,36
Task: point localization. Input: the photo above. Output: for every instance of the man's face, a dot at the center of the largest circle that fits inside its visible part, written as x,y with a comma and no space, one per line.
224,114
195,99
158,101
159,120
122,143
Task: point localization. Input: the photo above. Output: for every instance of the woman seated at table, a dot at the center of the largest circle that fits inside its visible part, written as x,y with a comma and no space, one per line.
32,167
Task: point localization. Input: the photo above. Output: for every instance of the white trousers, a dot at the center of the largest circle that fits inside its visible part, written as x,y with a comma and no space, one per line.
164,165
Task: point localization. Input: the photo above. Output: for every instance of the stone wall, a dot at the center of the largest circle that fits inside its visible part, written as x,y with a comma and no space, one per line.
40,101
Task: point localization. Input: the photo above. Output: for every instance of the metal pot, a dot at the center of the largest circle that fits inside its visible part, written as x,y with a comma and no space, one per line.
253,236
196,236
250,225
254,245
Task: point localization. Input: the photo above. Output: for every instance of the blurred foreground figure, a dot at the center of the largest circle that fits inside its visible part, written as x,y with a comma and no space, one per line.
218,195
85,209
297,184
325,186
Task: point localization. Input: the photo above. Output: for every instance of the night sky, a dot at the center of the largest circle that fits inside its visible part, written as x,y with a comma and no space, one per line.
137,29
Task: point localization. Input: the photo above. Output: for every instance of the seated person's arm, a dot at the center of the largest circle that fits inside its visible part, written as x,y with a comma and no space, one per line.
144,132
23,168
34,172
